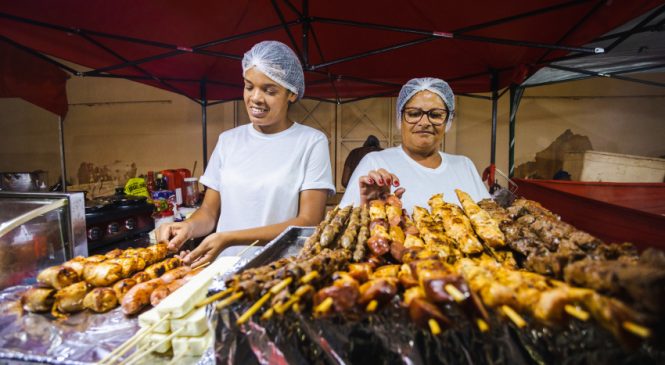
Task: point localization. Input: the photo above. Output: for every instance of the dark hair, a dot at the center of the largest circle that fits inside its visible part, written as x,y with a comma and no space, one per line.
371,141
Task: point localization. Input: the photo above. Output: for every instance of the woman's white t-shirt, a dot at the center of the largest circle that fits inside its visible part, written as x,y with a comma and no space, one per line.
420,182
260,176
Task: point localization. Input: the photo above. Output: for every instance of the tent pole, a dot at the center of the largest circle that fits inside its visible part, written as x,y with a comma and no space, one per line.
494,84
204,123
63,169
516,93
305,33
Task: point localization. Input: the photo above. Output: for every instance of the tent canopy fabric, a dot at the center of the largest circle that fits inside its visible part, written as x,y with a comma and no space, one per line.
35,80
643,50
350,49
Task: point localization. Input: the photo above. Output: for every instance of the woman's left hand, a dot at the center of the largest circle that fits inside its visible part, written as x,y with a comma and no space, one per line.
377,185
207,250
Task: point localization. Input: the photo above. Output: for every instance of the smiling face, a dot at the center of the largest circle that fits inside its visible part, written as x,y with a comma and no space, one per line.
267,102
423,138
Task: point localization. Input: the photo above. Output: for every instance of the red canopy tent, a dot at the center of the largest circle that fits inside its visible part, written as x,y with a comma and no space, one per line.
350,49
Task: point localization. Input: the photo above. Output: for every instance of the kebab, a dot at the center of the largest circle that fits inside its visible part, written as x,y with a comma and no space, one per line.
552,247
499,286
456,224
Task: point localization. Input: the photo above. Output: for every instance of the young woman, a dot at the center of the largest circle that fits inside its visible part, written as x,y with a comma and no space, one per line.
425,110
263,176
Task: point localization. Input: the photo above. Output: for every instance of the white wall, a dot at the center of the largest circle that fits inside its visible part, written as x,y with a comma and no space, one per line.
113,120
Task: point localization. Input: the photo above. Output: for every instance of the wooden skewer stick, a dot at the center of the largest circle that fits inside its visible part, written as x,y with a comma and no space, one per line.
324,306
576,312
434,326
213,298
295,298
122,349
247,248
455,293
267,314
282,308
281,285
371,306
253,309
138,354
636,329
482,325
516,318
309,277
228,301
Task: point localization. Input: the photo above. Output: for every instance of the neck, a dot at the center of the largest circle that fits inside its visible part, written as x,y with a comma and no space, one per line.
430,158
274,128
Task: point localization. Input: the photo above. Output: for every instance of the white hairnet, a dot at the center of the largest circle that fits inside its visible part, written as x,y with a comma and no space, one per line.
437,86
277,61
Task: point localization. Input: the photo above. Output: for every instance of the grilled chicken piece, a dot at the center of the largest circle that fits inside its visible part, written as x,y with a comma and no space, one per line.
360,271
104,273
77,264
38,299
486,227
457,225
58,277
100,300
70,299
421,311
382,290
141,277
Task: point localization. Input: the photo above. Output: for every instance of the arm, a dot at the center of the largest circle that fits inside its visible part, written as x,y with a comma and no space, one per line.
311,209
202,222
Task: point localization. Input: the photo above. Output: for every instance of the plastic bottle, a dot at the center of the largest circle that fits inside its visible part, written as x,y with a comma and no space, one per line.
190,192
150,182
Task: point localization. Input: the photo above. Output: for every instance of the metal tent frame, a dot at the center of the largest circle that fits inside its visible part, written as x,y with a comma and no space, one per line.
308,37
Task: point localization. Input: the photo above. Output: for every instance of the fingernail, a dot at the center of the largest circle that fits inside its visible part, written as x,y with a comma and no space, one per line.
370,181
388,181
380,181
396,183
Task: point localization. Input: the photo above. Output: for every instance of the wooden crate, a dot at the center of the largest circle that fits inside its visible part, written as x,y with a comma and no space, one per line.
613,167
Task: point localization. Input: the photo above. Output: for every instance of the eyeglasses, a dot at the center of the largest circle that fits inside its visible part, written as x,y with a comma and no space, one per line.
435,116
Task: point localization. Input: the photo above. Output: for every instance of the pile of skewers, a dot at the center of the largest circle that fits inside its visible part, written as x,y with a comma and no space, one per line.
133,278
360,259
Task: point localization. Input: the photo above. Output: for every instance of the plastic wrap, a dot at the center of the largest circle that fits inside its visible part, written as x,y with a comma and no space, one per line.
80,339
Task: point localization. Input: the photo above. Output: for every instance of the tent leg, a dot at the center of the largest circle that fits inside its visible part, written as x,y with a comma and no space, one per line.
63,169
204,124
494,81
516,93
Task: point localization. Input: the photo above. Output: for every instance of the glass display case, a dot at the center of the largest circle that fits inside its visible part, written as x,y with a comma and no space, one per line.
38,230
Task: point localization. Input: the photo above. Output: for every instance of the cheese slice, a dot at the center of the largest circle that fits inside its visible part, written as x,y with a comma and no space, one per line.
151,317
191,346
193,324
152,339
183,300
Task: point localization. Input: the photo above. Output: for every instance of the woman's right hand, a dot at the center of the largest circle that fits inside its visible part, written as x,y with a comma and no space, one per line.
377,184
176,234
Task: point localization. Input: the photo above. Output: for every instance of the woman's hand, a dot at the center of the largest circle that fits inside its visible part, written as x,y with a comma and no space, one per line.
207,250
176,234
377,184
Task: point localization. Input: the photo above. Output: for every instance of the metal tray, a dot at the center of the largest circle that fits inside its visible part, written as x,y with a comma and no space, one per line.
287,244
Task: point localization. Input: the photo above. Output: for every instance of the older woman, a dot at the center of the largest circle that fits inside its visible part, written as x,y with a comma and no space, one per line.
263,176
425,110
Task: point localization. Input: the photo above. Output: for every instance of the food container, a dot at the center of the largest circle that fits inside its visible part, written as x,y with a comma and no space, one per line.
190,192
